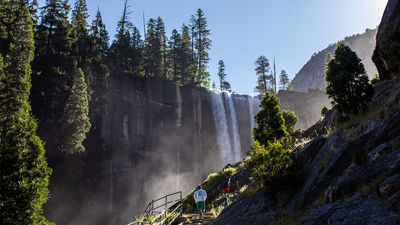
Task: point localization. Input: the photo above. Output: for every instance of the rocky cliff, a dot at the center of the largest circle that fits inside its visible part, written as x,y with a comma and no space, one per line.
160,138
312,75
392,11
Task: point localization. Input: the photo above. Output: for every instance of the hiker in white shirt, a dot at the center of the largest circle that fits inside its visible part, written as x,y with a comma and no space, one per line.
200,197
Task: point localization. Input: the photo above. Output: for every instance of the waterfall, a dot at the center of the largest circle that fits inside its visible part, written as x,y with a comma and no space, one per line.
226,122
234,127
221,126
254,101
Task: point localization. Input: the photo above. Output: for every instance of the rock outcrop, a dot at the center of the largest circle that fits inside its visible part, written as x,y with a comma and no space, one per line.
356,210
392,11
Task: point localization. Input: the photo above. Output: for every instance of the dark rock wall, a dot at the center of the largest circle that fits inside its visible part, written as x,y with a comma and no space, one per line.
160,138
392,11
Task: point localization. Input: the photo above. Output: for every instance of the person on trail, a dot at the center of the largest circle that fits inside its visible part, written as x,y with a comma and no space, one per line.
227,183
200,197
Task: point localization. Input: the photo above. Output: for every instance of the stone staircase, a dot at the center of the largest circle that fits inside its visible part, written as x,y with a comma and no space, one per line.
193,219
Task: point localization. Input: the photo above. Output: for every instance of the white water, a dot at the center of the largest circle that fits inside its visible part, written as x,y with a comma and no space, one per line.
253,107
221,126
235,132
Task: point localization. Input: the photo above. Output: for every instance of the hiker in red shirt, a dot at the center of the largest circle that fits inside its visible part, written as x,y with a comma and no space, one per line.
227,183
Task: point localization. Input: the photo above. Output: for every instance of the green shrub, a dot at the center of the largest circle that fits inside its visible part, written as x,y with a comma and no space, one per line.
290,120
275,166
323,111
375,80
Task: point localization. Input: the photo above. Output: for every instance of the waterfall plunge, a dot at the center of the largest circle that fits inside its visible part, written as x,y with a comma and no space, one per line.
254,108
226,122
234,129
221,125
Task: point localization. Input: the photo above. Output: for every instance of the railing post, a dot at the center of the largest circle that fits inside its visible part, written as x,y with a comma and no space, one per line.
151,211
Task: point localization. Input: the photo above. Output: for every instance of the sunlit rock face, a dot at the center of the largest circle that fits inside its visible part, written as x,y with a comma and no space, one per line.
312,75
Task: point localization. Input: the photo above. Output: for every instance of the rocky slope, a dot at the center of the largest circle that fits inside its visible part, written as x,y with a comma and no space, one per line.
342,186
312,75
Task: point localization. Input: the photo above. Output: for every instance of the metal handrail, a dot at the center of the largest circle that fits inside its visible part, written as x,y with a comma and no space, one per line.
175,205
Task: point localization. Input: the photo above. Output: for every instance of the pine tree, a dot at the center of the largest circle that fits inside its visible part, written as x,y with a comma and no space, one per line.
76,121
347,83
283,80
137,53
24,171
52,62
221,74
186,56
97,86
121,47
269,120
161,36
153,50
202,42
174,46
262,69
80,34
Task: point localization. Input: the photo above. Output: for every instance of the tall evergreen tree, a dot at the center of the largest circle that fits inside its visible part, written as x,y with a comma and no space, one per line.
121,47
24,171
203,43
80,35
34,10
283,80
161,36
347,82
99,69
76,121
52,62
262,69
269,120
186,56
221,74
137,53
174,46
153,50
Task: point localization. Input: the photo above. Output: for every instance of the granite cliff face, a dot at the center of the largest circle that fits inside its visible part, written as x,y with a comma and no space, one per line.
312,75
160,138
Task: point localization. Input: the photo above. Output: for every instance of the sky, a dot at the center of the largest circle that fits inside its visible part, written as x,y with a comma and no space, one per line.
242,30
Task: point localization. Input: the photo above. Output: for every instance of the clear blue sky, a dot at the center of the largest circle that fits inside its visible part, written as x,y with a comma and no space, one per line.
290,30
